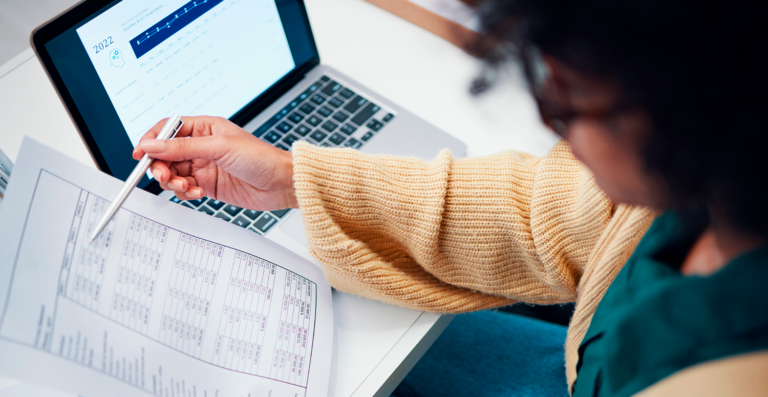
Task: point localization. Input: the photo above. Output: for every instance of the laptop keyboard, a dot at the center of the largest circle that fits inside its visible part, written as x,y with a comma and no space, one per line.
327,114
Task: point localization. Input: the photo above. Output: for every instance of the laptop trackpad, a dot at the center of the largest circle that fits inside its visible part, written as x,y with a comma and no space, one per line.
294,227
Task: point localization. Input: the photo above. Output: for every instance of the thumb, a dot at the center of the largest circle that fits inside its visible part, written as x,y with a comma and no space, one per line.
208,148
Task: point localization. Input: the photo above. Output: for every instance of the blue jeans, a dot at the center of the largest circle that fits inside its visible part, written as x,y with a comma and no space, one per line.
490,354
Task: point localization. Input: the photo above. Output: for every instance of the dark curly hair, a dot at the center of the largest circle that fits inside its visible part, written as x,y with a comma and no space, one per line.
697,67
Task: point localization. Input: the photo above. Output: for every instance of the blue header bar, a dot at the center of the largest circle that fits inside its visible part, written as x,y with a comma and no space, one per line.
177,20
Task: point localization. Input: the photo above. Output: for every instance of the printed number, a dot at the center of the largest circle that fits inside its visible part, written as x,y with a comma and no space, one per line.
103,44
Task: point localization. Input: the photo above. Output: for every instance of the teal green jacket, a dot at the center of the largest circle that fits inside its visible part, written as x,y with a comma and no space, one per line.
654,321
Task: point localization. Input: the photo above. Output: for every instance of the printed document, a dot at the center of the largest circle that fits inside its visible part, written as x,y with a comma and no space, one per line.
166,302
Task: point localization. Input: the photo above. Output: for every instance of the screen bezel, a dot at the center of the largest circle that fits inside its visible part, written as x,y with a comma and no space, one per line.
85,10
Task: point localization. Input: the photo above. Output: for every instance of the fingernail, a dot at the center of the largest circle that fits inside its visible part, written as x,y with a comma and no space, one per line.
176,185
195,193
153,146
157,174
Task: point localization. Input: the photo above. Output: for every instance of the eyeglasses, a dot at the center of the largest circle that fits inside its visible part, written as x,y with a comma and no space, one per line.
552,94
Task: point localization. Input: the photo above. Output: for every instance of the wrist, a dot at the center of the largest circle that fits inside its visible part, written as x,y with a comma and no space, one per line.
289,193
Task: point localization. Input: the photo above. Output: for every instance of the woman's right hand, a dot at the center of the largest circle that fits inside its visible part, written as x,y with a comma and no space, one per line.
213,157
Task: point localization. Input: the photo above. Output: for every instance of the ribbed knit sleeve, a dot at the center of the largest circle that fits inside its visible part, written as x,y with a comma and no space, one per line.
450,235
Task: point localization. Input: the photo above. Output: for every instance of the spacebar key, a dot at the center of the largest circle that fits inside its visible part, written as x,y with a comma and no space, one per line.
365,114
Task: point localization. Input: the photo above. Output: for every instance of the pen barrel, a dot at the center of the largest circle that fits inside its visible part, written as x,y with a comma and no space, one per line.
130,183
168,131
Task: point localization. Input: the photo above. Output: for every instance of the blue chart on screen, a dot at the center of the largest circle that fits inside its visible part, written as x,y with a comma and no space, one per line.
177,20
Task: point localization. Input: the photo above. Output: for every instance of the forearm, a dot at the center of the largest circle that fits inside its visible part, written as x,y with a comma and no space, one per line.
446,235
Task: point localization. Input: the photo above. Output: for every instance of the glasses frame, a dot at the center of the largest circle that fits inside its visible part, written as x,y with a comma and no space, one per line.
552,94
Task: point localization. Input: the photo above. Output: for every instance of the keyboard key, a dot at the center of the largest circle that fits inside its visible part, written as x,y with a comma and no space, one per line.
304,95
283,147
216,204
242,221
355,104
266,126
186,204
198,202
232,210
365,114
284,112
309,91
205,210
325,111
347,93
284,127
340,117
175,200
337,138
265,223
330,126
307,108
302,130
295,117
348,129
252,214
272,137
375,125
318,136
294,103
325,79
388,118
318,99
280,213
336,102
368,135
326,144
222,216
314,121
255,231
332,88
290,139
353,143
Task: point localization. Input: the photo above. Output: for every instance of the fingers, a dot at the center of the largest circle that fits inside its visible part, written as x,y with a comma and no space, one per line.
208,148
161,171
185,188
192,126
183,168
138,152
177,177
178,184
190,195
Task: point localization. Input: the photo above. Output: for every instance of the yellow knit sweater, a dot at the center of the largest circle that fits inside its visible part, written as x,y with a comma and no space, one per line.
456,235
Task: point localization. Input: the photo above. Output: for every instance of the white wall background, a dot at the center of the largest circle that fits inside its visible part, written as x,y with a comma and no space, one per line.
19,17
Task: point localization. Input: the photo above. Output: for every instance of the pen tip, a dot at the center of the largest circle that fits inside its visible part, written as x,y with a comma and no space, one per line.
90,240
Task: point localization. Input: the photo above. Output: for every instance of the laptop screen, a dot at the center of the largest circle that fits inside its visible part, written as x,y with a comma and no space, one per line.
199,57
134,62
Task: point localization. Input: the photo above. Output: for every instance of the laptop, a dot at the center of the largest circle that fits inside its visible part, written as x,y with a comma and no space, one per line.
121,66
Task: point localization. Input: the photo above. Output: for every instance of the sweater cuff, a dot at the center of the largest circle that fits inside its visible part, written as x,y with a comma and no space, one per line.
345,194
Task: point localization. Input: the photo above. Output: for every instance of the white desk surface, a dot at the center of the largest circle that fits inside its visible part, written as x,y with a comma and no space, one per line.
375,344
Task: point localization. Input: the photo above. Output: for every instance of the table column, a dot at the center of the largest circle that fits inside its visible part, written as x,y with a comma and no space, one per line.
190,291
138,269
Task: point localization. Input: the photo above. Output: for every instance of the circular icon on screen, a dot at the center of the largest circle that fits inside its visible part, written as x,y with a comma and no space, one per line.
116,58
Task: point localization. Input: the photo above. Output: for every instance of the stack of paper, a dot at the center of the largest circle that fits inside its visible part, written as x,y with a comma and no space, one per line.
165,301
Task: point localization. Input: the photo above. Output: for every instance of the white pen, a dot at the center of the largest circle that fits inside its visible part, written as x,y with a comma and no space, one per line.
169,131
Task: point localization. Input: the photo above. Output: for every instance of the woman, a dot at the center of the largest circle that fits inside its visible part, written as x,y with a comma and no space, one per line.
649,214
